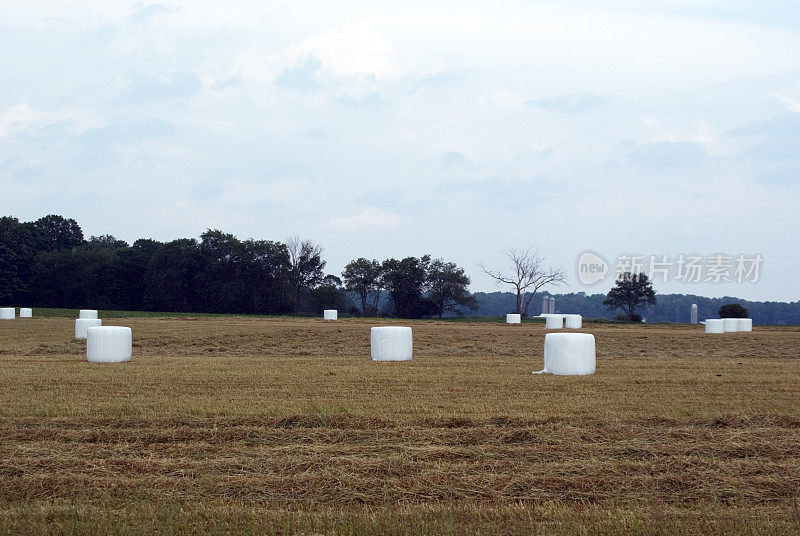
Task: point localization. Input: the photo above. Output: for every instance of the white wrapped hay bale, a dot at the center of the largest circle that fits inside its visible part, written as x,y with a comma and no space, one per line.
513,319
391,343
715,325
745,324
573,321
330,314
554,321
108,344
25,312
730,324
83,324
569,354
7,313
87,313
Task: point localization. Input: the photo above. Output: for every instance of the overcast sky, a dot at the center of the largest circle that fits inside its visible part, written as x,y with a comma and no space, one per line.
451,128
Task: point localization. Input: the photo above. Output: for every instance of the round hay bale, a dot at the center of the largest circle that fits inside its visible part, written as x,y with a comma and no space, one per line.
391,343
513,319
554,321
330,314
108,344
7,313
83,324
715,325
87,313
569,354
573,321
745,324
730,324
25,312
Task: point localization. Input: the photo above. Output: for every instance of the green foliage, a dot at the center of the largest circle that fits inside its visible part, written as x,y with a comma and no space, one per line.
406,281
306,268
448,288
733,310
59,232
363,277
631,293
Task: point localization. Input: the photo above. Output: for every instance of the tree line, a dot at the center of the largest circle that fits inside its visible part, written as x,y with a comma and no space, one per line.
49,263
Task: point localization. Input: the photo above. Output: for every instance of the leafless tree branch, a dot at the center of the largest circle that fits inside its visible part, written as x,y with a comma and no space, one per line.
529,275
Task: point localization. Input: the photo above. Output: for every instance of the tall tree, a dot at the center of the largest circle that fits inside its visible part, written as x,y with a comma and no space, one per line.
59,232
19,244
447,285
222,288
363,277
631,293
307,266
406,280
528,274
171,281
130,267
267,275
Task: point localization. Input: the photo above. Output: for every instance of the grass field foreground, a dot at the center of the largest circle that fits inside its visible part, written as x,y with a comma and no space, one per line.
281,425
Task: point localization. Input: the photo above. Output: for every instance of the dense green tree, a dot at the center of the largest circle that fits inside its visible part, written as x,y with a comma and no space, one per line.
19,245
107,242
130,265
363,277
406,281
59,232
267,273
733,310
447,285
171,282
330,294
81,277
630,294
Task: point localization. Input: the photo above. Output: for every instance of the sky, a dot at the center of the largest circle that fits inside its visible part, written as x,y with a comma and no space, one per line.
458,129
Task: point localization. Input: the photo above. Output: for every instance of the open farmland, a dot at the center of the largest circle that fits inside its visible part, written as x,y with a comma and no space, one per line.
285,425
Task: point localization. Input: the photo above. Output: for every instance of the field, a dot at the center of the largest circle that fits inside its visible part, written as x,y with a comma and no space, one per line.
281,425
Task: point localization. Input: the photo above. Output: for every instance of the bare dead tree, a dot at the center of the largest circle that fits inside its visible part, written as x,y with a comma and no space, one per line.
528,274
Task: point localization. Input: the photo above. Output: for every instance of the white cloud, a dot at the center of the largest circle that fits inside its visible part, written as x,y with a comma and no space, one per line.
21,118
790,100
24,119
353,50
371,218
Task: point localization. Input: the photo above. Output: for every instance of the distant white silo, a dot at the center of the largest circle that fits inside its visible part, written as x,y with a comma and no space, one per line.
552,305
545,305
694,313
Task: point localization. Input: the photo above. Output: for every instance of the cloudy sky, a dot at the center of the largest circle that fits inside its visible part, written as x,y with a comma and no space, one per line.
451,128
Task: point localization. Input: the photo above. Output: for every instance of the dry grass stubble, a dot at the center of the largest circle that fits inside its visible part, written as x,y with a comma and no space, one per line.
289,420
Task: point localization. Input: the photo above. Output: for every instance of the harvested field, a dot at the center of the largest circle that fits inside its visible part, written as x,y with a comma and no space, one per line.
286,426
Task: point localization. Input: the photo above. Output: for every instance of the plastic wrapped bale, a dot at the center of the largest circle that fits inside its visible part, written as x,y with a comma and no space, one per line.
108,344
83,324
87,313
715,325
569,354
330,314
730,324
513,319
7,313
745,324
554,322
391,343
25,312
573,321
